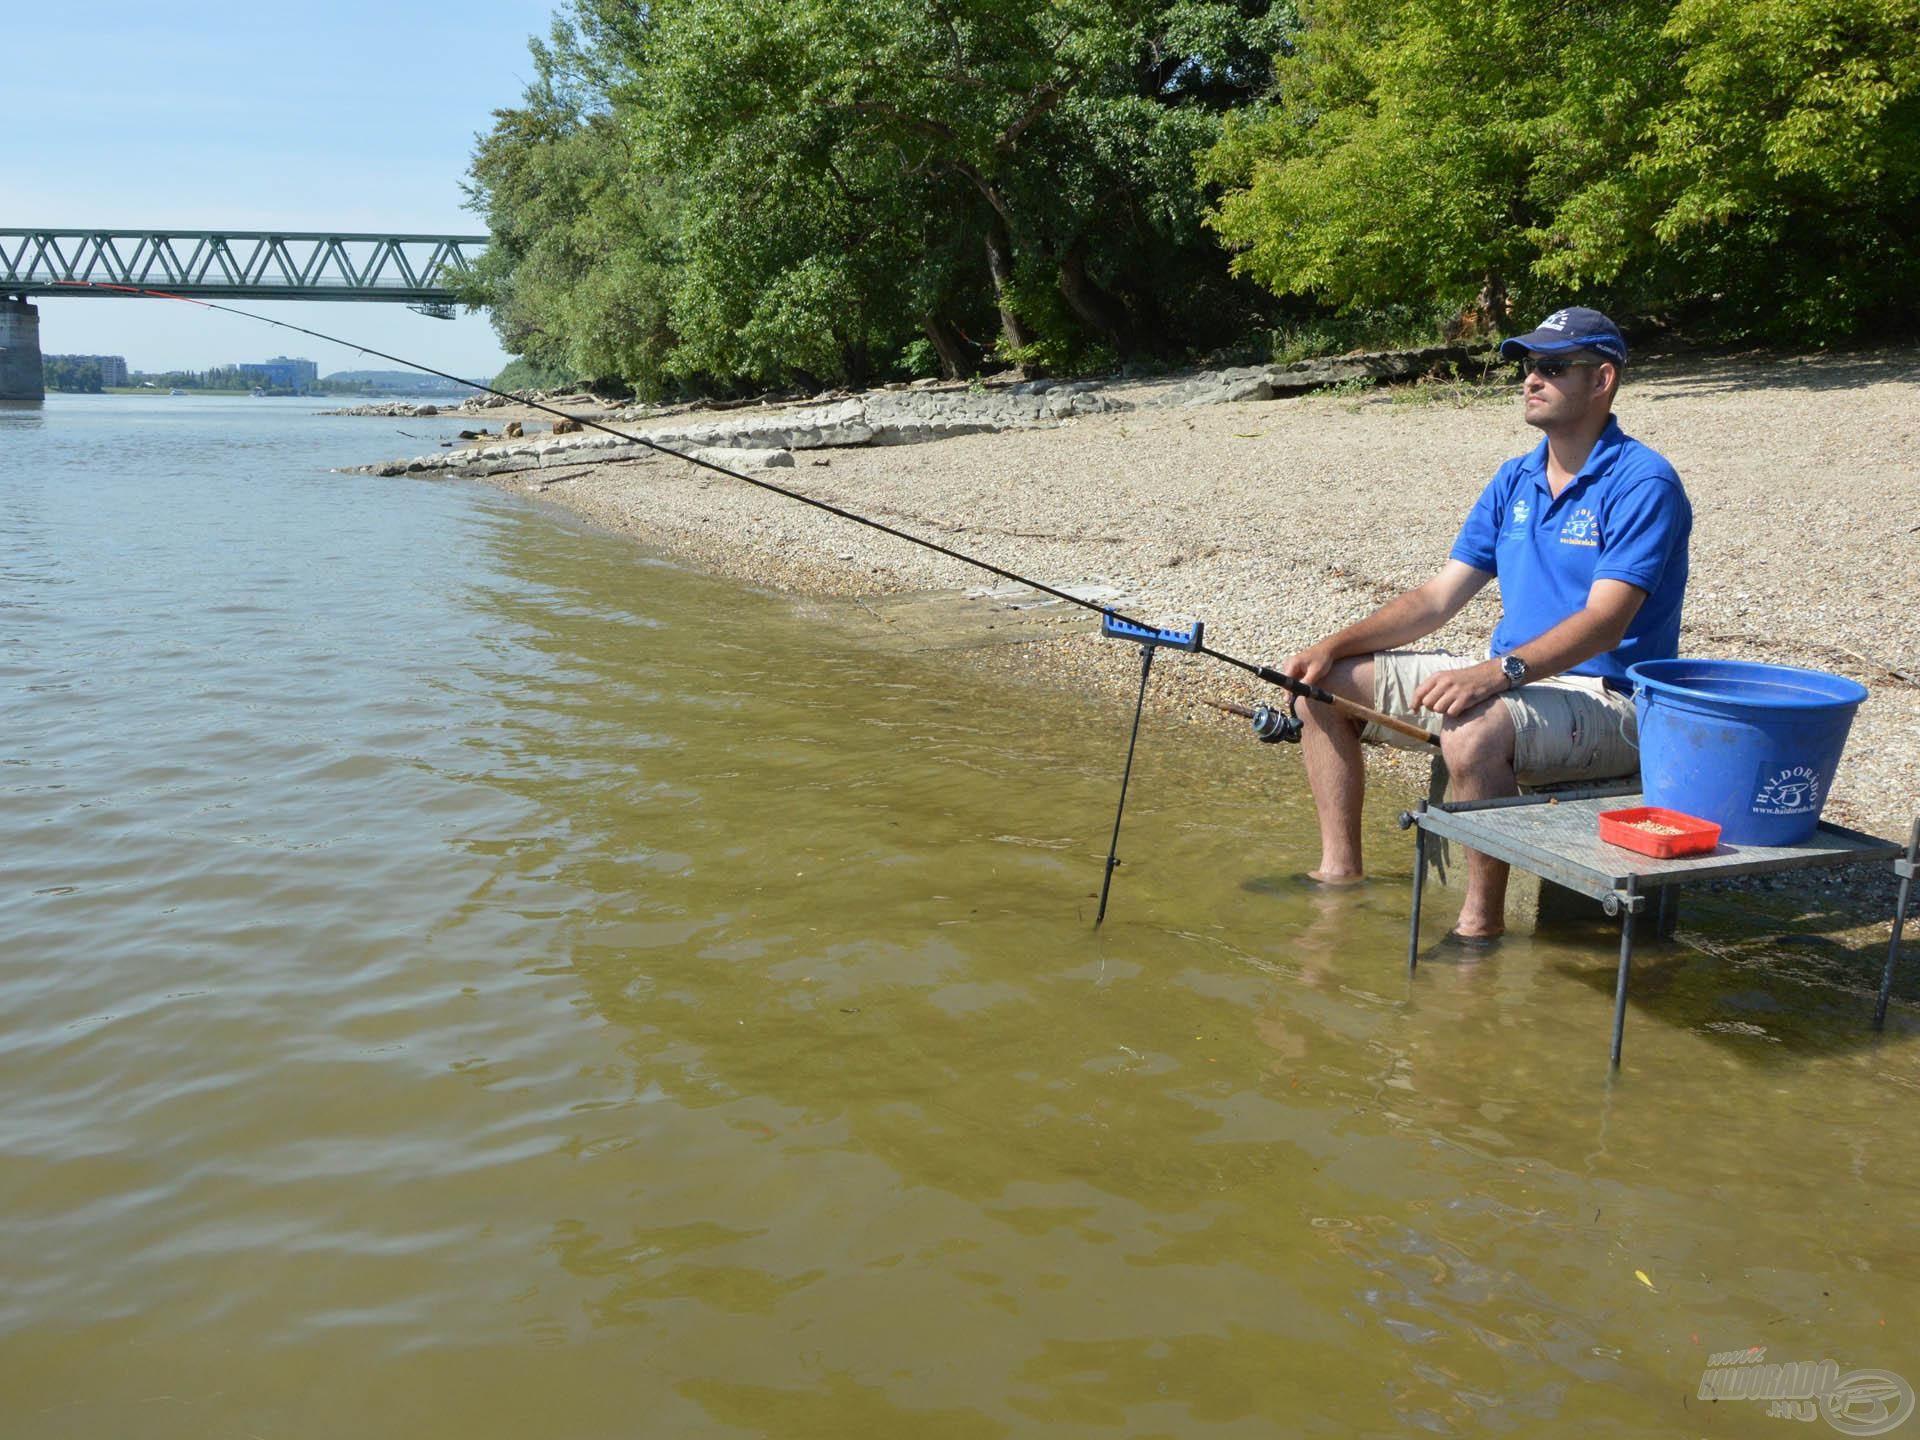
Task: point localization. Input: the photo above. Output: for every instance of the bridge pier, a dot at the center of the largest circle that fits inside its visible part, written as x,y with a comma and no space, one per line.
20,373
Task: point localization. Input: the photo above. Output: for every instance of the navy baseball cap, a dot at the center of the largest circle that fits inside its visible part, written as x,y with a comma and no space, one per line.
1572,329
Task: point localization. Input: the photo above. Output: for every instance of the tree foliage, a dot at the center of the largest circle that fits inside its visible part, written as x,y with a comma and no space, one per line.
578,268
64,372
1422,149
757,192
1753,161
828,192
1784,170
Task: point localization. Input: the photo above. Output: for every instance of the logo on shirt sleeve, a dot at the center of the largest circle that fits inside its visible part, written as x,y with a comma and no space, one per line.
1582,527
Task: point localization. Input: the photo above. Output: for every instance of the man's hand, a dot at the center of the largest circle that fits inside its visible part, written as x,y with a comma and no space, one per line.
1311,664
1454,692
1401,621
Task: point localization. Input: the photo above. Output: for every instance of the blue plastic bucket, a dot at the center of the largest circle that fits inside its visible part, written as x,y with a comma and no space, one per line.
1750,747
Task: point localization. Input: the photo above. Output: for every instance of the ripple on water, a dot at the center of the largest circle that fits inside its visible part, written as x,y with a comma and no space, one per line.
442,951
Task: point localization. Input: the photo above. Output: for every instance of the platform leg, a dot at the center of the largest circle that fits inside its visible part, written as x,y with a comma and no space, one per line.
1899,923
1668,919
1419,885
1626,964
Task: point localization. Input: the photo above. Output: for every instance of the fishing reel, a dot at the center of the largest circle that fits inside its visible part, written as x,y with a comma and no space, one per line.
1275,726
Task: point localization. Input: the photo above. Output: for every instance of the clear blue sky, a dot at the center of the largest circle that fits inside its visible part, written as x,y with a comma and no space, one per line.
348,116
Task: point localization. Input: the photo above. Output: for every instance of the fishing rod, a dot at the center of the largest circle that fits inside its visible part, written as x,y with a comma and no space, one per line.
1114,624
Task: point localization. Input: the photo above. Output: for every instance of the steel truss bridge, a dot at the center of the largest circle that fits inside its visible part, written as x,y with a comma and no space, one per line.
415,270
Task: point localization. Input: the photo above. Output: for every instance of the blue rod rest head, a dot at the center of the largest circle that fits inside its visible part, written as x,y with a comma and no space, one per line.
1114,628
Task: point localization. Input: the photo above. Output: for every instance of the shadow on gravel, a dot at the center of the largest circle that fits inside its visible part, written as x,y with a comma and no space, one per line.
1693,376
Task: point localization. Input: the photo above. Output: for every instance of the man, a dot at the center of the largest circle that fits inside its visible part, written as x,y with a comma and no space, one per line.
1588,536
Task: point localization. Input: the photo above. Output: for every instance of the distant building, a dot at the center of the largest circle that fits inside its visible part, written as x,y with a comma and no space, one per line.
282,373
113,368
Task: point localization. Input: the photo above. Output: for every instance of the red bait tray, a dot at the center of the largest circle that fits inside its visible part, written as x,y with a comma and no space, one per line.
1629,829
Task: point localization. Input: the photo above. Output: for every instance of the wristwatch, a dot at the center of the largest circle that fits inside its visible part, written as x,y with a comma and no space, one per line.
1515,669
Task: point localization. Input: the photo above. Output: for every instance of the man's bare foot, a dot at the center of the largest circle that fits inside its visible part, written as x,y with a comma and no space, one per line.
1303,882
1455,943
1471,937
1479,924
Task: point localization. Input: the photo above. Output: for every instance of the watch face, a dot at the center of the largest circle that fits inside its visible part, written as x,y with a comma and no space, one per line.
1515,667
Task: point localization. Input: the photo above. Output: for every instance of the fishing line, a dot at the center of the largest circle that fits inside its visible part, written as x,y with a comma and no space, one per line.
1114,624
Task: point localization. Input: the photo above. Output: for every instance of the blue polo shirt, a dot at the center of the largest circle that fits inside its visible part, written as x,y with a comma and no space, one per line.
1624,517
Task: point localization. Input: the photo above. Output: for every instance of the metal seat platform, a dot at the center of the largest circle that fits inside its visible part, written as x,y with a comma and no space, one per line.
1557,838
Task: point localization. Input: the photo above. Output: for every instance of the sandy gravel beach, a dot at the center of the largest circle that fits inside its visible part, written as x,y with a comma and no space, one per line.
1278,521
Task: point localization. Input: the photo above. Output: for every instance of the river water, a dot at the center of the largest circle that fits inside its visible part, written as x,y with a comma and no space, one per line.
464,976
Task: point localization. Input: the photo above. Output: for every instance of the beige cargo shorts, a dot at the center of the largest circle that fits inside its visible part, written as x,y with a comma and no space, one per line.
1568,727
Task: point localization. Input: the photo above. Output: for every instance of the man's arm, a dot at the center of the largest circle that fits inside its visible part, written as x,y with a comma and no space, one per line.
1402,620
1611,606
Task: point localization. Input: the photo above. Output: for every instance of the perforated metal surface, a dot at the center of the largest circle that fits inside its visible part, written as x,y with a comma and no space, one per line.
1559,839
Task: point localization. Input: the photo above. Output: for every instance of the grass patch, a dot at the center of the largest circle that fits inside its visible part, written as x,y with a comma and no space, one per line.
1455,392
1359,387
1478,385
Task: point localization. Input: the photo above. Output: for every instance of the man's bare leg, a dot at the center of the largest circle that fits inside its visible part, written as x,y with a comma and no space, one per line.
1336,771
1478,747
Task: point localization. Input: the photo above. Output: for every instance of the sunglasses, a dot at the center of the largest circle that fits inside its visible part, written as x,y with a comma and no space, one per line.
1550,367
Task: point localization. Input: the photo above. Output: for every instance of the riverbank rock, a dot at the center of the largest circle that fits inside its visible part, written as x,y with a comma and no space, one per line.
744,459
909,415
1268,382
396,409
484,462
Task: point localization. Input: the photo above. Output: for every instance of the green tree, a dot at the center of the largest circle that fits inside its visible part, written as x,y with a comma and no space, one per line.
1750,162
1784,177
701,190
577,272
1416,151
915,153
64,373
797,238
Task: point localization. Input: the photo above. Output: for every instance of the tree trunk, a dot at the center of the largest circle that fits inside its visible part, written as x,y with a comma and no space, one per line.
1000,266
1492,301
950,346
1101,312
1487,316
857,361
